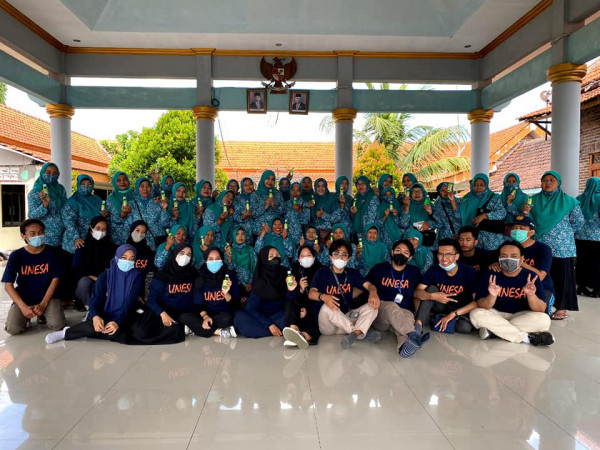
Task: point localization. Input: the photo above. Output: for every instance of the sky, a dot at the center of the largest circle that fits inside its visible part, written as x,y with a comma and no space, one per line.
240,126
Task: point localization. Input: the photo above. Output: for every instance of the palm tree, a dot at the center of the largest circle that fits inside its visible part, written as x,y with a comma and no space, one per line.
424,150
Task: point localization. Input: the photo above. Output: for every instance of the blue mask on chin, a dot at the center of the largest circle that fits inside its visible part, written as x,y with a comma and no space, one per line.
449,268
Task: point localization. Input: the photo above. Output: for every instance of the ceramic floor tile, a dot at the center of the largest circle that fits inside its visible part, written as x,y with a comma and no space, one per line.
117,444
525,439
142,413
364,439
259,440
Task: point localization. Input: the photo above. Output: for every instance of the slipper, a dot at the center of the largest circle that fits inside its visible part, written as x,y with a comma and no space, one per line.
557,316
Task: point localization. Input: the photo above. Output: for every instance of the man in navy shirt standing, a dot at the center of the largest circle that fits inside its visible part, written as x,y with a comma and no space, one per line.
35,269
396,282
512,302
336,287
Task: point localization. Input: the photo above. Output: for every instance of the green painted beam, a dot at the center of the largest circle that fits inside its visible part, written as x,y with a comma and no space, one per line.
23,77
419,101
584,44
131,97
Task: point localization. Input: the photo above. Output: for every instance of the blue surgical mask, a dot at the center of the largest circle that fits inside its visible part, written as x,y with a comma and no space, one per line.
168,189
49,179
125,265
37,241
215,265
449,268
511,186
86,190
519,235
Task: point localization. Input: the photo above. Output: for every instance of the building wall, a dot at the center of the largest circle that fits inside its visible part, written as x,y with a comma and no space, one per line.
590,141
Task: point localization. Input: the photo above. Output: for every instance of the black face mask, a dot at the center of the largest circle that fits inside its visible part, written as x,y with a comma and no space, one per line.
275,261
399,259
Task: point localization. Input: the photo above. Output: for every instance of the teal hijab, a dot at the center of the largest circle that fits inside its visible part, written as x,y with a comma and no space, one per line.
415,210
143,201
275,240
200,234
242,255
362,204
549,208
117,196
590,198
390,227
338,185
307,196
173,230
87,204
166,187
217,210
374,252
187,210
231,181
473,201
382,179
262,189
327,201
520,198
420,257
55,189
342,227
206,201
412,177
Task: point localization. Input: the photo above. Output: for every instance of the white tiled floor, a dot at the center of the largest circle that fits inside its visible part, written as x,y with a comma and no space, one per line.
457,392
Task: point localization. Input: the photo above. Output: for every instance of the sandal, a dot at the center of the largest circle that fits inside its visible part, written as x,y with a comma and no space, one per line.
559,315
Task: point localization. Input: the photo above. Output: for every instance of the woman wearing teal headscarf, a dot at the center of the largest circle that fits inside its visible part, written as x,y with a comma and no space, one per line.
144,208
513,203
373,251
276,236
203,198
204,238
308,193
479,197
233,185
219,216
423,258
446,215
385,180
242,259
166,186
408,179
266,202
186,213
242,213
297,213
119,206
284,187
343,193
388,217
557,217
177,235
326,204
340,231
364,206
48,208
587,240
78,212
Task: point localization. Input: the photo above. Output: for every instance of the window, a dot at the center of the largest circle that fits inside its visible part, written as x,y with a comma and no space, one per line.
13,204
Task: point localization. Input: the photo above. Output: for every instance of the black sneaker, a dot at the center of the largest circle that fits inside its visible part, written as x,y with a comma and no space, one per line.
541,338
79,306
41,320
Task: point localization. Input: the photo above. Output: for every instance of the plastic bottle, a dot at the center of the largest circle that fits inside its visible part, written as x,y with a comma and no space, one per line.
226,281
289,279
103,206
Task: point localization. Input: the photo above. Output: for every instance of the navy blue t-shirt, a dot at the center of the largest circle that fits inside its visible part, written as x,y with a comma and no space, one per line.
390,282
32,273
324,282
480,260
461,286
512,299
172,296
539,255
212,300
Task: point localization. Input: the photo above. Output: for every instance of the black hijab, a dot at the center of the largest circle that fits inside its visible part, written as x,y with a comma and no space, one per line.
300,272
97,254
269,279
173,272
208,279
142,247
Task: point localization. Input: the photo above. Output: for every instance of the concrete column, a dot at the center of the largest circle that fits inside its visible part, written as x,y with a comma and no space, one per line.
60,141
480,140
566,117
344,121
205,142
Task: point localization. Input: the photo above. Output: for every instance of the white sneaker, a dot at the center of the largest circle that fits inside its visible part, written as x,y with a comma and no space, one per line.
287,343
296,337
187,330
228,332
484,333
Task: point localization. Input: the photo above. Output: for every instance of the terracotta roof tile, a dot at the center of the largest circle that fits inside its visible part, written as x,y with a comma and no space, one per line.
31,135
529,160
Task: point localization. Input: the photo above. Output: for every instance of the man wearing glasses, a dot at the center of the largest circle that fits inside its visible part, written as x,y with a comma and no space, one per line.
336,287
447,290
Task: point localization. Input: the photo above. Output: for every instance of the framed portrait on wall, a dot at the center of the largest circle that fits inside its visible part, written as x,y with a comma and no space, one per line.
299,102
256,101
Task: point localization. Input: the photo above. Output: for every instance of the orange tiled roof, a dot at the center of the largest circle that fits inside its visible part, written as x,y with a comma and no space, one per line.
250,158
31,136
590,90
530,160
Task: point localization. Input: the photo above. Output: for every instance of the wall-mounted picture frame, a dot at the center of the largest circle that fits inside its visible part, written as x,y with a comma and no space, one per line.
256,101
299,102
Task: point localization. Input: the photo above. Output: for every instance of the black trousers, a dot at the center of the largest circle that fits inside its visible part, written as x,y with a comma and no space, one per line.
147,329
222,319
428,307
86,329
307,324
563,275
588,264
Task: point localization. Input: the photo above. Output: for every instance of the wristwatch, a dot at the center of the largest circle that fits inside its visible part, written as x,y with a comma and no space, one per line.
455,314
320,297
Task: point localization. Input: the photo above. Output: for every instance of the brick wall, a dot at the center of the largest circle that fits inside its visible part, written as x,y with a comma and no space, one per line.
590,141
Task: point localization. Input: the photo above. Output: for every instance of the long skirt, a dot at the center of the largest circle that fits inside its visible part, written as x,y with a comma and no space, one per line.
562,272
588,264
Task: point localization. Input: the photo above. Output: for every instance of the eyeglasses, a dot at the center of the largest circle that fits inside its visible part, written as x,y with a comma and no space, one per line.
446,255
341,255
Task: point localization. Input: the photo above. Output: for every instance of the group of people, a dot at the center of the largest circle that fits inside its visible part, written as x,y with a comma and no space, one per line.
152,264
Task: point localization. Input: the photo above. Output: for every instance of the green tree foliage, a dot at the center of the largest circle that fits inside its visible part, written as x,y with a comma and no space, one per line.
374,162
2,93
169,146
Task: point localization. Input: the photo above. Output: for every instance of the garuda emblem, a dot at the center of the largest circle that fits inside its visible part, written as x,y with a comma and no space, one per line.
278,75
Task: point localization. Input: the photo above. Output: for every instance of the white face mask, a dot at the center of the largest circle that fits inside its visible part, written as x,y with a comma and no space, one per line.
339,263
183,260
307,261
98,234
138,237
